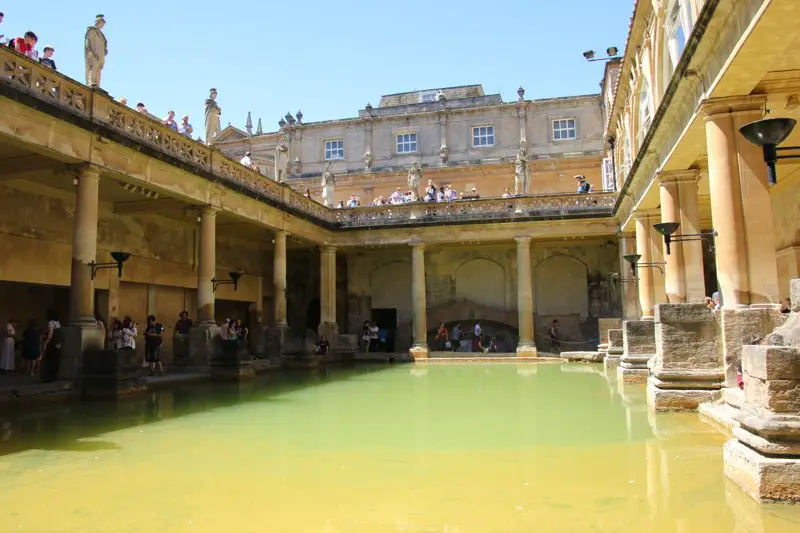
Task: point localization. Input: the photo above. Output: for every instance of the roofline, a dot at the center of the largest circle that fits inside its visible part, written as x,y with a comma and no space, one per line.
434,89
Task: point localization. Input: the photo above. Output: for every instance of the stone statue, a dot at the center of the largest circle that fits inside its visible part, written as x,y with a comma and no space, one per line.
328,184
213,112
414,177
95,50
444,154
368,160
521,173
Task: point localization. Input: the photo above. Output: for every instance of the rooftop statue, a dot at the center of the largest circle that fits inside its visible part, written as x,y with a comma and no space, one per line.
213,112
95,50
328,183
414,177
521,172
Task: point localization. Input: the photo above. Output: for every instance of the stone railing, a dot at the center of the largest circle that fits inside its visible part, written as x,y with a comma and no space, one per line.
505,209
56,89
99,108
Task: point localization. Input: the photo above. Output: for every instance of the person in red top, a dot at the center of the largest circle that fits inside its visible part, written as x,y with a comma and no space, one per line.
25,45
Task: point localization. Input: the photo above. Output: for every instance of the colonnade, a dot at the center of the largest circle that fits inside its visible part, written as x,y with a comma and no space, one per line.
741,212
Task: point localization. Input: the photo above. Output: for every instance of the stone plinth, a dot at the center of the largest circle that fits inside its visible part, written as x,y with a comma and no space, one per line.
418,352
593,357
230,361
79,340
614,349
764,456
685,371
527,351
202,343
737,327
109,374
639,346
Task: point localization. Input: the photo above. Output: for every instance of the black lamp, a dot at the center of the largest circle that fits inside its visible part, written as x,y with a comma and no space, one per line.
667,229
118,257
768,133
235,277
633,259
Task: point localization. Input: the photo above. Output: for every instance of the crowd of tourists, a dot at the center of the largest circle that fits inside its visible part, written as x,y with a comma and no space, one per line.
26,45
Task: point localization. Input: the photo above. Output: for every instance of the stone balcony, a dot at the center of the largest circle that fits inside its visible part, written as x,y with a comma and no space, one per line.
67,100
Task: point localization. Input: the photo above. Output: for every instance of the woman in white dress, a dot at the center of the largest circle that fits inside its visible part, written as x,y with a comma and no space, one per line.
7,357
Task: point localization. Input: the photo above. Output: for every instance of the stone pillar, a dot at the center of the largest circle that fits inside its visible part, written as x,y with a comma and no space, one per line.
763,457
279,278
693,269
526,347
741,207
327,294
419,350
629,289
614,350
645,274
674,278
82,336
84,246
685,371
207,266
639,346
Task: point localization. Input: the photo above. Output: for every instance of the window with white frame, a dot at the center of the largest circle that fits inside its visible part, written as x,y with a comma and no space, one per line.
678,25
334,149
608,174
406,143
564,129
482,136
645,109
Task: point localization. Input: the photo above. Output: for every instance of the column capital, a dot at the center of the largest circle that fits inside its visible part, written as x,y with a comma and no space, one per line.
678,176
714,108
280,234
523,241
209,210
417,245
86,171
327,249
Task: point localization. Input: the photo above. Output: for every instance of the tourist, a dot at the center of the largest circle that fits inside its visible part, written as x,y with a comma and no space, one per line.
53,343
786,305
716,298
184,323
584,187
142,109
373,337
340,205
492,346
115,335
506,194
353,201
129,332
241,332
170,121
709,303
47,57
2,37
26,45
455,337
365,335
307,193
185,128
322,346
225,329
440,195
555,342
7,355
152,344
123,101
31,348
442,337
246,161
396,197
477,330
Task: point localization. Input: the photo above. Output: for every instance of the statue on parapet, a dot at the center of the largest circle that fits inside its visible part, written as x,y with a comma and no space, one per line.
521,172
368,160
213,112
328,185
95,50
414,178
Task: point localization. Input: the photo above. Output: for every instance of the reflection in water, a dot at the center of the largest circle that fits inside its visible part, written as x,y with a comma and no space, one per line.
447,448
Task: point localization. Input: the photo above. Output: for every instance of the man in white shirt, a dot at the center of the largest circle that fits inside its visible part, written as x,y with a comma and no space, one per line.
246,161
396,197
478,329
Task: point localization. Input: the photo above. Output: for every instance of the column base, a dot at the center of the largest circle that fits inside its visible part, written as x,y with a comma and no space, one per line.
418,352
110,374
527,350
611,361
230,361
79,339
203,343
632,375
660,399
766,479
275,340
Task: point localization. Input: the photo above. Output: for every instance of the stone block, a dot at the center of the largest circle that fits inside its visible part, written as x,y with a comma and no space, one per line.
418,353
615,339
767,479
594,357
685,338
604,325
526,351
778,396
230,361
109,374
738,327
79,340
632,375
667,399
794,294
202,344
639,337
771,362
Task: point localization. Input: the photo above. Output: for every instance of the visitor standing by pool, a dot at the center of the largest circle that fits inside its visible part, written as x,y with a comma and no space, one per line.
552,334
442,338
152,344
53,342
455,335
7,357
31,348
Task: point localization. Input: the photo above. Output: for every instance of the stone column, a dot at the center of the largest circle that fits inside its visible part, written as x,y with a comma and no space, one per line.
419,350
674,279
526,346
207,266
327,293
693,268
629,289
84,246
741,207
645,274
279,278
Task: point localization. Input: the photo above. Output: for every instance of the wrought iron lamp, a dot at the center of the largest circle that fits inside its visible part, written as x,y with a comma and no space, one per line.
667,229
118,257
235,277
633,259
768,134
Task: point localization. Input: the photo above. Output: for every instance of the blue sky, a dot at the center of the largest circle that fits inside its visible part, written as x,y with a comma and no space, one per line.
328,58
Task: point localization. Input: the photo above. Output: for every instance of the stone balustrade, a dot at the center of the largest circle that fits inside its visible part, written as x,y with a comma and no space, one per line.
98,108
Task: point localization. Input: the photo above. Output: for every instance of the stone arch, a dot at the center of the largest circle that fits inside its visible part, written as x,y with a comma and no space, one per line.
481,281
562,286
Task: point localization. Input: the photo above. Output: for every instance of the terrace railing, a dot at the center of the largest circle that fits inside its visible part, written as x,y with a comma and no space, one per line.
98,107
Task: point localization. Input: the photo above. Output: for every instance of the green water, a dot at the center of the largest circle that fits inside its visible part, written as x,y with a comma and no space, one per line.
439,448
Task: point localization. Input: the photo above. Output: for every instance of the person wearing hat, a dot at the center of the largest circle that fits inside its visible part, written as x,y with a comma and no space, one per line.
47,57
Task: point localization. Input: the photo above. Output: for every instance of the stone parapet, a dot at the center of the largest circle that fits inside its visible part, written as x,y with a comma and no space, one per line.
764,455
639,346
685,370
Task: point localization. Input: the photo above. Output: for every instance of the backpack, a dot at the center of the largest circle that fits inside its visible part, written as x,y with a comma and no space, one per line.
586,187
58,337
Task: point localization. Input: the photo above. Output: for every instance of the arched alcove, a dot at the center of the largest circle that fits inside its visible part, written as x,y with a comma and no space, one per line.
561,286
481,281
